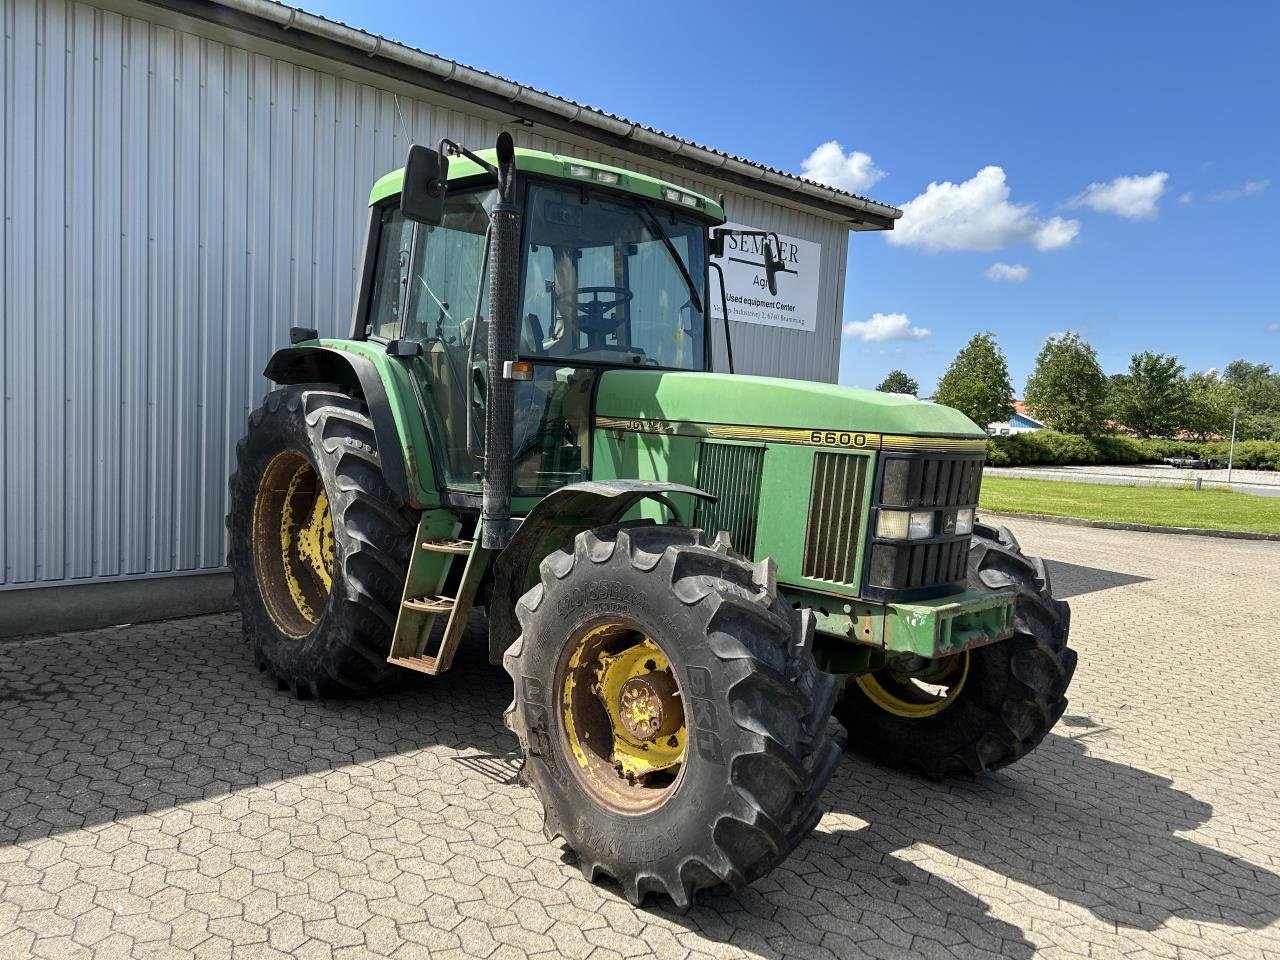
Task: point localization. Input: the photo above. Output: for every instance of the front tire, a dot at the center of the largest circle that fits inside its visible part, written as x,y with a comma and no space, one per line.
695,642
319,543
999,700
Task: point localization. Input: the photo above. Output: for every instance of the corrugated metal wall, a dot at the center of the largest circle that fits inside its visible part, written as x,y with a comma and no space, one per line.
172,205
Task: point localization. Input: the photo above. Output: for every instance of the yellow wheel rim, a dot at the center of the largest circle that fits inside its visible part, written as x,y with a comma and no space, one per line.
623,716
293,544
916,696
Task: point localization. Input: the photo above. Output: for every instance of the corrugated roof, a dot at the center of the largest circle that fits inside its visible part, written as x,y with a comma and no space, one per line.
679,150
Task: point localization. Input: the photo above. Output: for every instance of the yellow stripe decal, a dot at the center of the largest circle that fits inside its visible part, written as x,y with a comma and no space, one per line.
842,439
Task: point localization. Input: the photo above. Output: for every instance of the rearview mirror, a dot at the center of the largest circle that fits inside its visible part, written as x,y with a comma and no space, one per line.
772,266
426,175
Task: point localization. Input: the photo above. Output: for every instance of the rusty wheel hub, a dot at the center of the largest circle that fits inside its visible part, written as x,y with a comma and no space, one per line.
650,706
623,717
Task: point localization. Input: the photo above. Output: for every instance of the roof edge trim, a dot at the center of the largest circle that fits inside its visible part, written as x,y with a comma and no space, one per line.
678,150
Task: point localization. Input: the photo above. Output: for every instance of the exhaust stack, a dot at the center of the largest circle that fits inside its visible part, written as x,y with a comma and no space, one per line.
504,286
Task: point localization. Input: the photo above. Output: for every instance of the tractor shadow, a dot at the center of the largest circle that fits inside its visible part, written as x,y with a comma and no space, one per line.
1091,832
1074,828
107,724
846,894
1073,580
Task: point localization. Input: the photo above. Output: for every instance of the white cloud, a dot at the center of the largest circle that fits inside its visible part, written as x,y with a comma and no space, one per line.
1273,327
1244,190
852,171
1007,273
1134,198
976,215
1185,198
883,327
1054,233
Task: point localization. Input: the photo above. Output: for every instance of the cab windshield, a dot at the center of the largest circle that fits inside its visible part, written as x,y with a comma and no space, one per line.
602,285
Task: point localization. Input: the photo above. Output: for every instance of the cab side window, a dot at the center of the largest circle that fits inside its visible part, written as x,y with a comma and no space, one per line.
446,275
391,276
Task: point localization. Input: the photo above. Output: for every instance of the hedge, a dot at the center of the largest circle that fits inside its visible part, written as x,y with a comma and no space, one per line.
1049,448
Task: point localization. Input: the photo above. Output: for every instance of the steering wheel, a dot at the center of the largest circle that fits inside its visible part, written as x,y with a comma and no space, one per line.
591,313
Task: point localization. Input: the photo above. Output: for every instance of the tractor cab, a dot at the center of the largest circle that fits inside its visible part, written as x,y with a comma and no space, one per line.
612,274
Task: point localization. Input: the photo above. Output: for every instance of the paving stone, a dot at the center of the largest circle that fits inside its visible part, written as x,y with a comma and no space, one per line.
159,798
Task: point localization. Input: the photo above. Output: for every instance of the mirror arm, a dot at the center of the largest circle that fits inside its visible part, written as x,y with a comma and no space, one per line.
772,263
724,306
772,267
448,147
717,241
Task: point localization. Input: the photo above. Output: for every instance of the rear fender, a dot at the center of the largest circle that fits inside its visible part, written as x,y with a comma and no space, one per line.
385,384
554,521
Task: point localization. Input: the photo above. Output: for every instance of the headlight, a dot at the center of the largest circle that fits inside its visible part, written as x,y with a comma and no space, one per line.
964,520
921,525
904,525
893,524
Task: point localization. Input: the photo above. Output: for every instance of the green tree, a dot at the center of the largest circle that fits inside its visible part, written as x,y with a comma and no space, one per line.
1151,398
1208,409
1256,387
898,382
1068,389
977,382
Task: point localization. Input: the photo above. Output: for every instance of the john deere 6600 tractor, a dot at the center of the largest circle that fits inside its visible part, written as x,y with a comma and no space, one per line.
685,573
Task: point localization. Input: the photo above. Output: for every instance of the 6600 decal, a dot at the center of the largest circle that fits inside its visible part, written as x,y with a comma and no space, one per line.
838,438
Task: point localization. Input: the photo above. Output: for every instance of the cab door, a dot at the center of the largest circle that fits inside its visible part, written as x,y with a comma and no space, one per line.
428,282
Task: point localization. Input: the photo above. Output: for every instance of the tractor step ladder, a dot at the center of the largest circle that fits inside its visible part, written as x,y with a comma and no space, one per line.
431,568
429,604
447,545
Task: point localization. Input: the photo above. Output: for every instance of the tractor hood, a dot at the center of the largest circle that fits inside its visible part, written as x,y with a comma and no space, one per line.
710,398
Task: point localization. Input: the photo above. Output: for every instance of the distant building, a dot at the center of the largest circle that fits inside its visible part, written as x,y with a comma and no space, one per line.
1020,422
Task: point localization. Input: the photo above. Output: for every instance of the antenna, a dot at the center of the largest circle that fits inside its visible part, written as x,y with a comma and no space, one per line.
400,113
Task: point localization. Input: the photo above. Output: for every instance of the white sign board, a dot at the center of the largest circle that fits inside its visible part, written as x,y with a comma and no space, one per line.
747,290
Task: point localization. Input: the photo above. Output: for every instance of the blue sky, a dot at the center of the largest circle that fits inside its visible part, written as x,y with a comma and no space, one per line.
1058,97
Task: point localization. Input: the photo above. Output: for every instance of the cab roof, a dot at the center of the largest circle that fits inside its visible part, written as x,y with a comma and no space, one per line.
573,170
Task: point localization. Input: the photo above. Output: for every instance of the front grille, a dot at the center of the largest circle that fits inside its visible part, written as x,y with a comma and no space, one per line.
912,566
835,517
930,482
730,471
914,569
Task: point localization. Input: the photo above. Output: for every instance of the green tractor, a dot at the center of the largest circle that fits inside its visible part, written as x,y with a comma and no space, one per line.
685,573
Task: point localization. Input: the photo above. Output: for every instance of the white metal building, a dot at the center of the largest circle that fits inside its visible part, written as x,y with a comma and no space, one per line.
185,180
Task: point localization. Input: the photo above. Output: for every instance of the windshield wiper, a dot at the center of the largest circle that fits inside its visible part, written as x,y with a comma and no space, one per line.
652,223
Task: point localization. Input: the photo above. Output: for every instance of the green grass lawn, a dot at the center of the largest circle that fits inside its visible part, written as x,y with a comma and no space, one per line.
1165,506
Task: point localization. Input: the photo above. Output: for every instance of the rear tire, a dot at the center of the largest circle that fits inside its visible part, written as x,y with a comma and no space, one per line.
335,641
1010,694
757,755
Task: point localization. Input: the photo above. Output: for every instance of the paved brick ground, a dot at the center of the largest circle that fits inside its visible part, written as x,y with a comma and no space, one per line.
159,799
